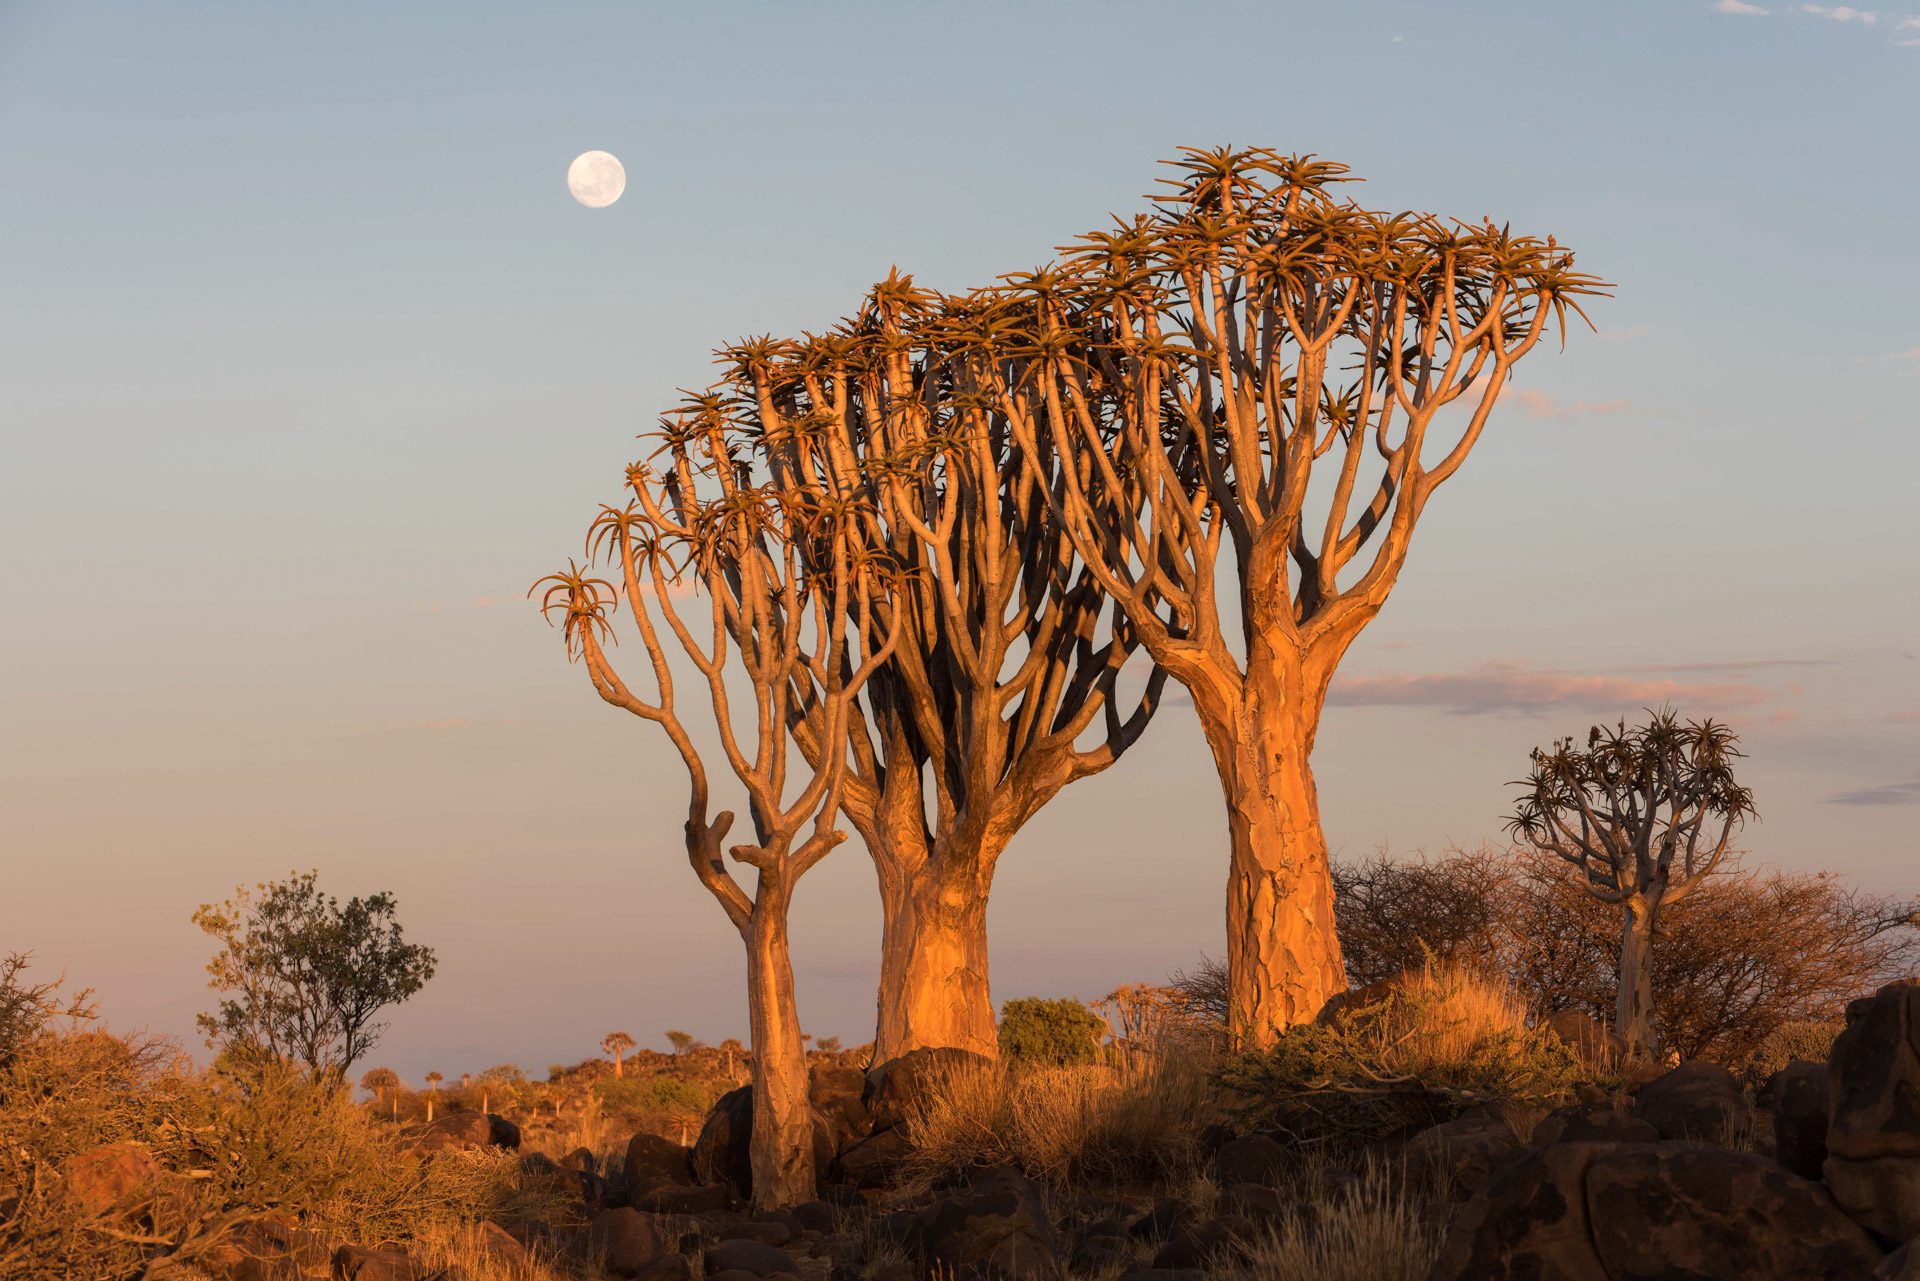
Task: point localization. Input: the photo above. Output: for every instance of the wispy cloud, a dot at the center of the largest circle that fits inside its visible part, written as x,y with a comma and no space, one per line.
1887,794
1515,687
1732,667
1736,6
1842,13
1538,404
1903,718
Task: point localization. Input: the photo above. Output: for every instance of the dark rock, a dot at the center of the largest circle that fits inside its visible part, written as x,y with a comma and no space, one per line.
1798,1093
1213,1136
494,1242
1253,1159
894,1272
774,1234
1165,1274
1167,1218
1101,1244
1103,1256
1873,1135
580,1161
722,1153
816,1216
664,1267
1586,1123
872,1162
1356,999
1255,1201
897,1085
357,1263
1902,1265
1205,1244
835,1094
651,1157
844,1195
997,1228
1677,1210
1592,1095
1458,1156
1608,1211
1588,1038
458,1130
755,1257
664,1197
114,1180
629,1237
267,1249
731,1274
1693,1101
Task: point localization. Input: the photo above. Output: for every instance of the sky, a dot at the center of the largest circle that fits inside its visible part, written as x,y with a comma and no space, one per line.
310,366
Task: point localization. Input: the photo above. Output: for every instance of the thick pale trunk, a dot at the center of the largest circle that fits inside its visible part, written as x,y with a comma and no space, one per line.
782,1143
1633,1015
933,961
1283,956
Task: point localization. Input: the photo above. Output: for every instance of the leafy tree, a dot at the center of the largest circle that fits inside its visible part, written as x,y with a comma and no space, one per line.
616,1044
380,1080
1635,815
27,1008
681,1042
828,1045
1059,1033
309,976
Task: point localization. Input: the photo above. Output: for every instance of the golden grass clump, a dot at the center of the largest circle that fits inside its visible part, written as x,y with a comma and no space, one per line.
1069,1126
1369,1230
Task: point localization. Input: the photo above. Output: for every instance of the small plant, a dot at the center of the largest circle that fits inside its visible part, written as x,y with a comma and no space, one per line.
1062,1033
1790,1041
1441,1040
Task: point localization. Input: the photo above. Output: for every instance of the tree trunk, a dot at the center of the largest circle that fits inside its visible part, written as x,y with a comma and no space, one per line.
933,954
782,1142
1633,1016
1283,956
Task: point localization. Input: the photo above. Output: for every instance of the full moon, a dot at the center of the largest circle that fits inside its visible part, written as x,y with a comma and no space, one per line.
596,179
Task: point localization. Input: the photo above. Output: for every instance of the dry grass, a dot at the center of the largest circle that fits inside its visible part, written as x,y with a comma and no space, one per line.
1079,1126
1370,1230
1439,1016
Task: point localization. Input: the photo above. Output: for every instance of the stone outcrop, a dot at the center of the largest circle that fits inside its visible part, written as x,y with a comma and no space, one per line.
996,1229
1694,1101
1873,1132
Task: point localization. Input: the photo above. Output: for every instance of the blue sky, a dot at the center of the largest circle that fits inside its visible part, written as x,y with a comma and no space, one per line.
309,365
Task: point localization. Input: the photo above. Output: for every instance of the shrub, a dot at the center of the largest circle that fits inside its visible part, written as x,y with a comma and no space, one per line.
1060,1033
1797,1040
1068,1126
652,1094
1438,1042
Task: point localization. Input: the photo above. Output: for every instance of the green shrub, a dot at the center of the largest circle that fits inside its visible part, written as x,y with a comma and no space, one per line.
1790,1041
1439,1042
1062,1033
652,1094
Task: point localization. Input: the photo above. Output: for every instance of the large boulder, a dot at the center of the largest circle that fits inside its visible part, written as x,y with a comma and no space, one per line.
269,1250
1873,1094
1253,1158
897,1086
628,1238
457,1130
1694,1101
835,1094
651,1158
1588,1038
1591,1123
358,1263
1458,1157
753,1257
998,1228
872,1162
723,1154
114,1180
1798,1096
1635,1212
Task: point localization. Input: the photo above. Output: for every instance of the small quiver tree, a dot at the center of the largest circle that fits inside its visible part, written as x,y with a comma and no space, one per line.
1644,816
1260,369
790,585
616,1044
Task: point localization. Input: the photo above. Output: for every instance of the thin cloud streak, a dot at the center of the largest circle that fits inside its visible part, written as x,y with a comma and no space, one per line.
1538,404
1843,13
1736,6
1514,687
1888,794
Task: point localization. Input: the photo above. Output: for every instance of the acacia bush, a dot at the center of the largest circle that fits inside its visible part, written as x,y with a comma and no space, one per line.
1058,1033
1439,1040
1751,950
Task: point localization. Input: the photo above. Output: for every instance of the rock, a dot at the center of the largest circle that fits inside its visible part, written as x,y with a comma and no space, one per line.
494,1242
1458,1156
1256,1158
665,1267
722,1152
897,1085
1591,1123
1609,1211
872,1162
579,1161
998,1228
664,1197
651,1157
115,1179
766,1232
1167,1218
1588,1038
1165,1274
1255,1201
1873,1133
267,1250
1693,1101
844,1195
1206,1245
1102,1255
817,1216
357,1263
457,1130
835,1094
1902,1265
752,1257
1798,1093
1354,999
628,1237
731,1274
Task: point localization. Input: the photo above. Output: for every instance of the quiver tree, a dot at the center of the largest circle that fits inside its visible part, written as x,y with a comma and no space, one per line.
1003,661
1644,815
616,1044
1177,383
790,585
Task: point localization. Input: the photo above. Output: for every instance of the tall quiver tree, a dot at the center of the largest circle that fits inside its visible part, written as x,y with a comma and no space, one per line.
1193,367
1644,815
790,586
1003,663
